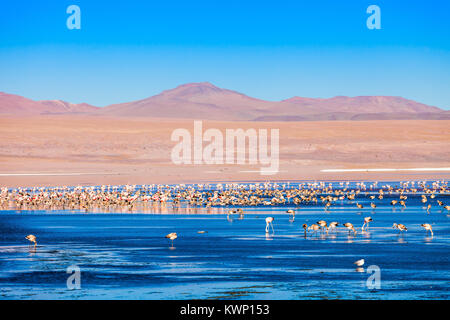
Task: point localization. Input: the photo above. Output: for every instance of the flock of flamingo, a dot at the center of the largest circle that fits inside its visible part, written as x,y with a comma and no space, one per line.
135,198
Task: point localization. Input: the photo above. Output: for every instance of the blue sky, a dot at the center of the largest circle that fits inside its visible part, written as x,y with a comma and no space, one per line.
128,50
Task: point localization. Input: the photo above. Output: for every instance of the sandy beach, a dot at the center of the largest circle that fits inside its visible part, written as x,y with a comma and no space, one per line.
81,150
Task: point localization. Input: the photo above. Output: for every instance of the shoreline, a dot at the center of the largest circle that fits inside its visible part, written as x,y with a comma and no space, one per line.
232,182
446,179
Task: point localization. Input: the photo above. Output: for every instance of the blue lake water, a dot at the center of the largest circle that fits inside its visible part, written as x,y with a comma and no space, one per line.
126,256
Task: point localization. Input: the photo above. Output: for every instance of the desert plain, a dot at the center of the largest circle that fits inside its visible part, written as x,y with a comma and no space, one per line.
58,150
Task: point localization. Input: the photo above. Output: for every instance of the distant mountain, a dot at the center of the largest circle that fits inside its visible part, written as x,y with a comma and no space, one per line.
64,106
362,104
205,101
195,100
341,116
16,105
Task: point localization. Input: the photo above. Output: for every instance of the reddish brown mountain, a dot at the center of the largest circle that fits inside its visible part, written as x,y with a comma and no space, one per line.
206,101
63,106
363,104
16,105
195,100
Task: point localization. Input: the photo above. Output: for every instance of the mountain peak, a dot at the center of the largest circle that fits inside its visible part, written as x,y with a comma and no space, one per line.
192,89
198,84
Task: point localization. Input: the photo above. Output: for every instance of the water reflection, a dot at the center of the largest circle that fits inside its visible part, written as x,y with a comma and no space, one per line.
32,250
269,236
401,239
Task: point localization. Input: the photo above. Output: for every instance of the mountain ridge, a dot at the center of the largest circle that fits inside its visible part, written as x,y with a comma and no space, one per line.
203,100
18,105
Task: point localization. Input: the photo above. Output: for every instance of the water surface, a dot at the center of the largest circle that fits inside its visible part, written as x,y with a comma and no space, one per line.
125,256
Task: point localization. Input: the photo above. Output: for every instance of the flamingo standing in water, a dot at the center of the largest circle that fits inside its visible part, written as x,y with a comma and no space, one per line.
269,221
400,227
172,236
31,238
350,227
323,225
241,213
314,227
305,227
333,225
290,211
230,212
367,220
427,227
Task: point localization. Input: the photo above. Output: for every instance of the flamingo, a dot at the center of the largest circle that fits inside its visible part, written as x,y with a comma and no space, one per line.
427,227
424,199
359,262
172,236
400,227
350,227
230,212
290,211
367,220
269,221
333,225
314,227
323,225
305,227
31,238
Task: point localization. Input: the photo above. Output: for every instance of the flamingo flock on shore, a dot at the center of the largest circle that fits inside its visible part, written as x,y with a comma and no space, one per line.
258,194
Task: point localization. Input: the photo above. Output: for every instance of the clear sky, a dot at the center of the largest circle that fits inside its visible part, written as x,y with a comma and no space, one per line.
273,50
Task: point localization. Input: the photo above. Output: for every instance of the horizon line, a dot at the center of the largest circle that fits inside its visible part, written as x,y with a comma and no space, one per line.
225,89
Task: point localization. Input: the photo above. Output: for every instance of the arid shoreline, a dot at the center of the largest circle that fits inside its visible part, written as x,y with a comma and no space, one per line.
80,150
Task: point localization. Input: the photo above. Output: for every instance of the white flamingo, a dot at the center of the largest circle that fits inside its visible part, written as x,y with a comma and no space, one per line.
269,221
367,220
172,236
